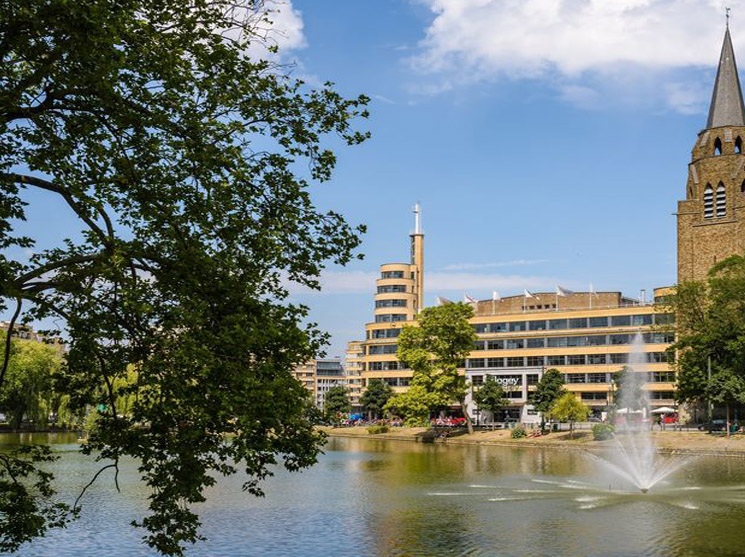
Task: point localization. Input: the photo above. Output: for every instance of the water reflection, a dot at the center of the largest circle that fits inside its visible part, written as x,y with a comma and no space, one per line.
376,497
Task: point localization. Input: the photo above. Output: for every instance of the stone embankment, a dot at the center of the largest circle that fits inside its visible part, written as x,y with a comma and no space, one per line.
667,442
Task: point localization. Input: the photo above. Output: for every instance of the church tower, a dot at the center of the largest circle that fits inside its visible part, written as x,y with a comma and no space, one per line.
711,219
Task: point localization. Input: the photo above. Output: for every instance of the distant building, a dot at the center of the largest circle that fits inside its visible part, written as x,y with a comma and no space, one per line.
353,369
26,332
306,374
329,374
587,336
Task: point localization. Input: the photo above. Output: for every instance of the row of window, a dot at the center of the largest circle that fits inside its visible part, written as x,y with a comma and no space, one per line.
571,360
392,274
385,366
390,288
562,342
575,323
385,333
653,377
390,303
397,381
390,317
575,378
383,349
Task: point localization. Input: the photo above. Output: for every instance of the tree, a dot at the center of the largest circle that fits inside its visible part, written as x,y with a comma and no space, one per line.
375,397
336,402
490,396
414,405
629,391
710,343
568,409
548,390
187,161
434,349
28,382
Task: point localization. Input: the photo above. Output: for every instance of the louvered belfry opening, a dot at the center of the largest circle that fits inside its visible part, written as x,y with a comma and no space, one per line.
708,202
721,200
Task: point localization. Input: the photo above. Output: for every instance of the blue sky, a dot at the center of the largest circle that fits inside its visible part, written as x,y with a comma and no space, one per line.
551,154
546,140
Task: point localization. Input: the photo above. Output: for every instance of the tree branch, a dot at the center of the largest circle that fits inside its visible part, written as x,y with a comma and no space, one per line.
8,337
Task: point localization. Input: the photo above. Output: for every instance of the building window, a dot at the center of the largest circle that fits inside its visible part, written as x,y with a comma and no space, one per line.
657,357
390,303
663,376
536,342
392,274
742,186
596,359
495,345
640,320
497,327
661,395
515,361
383,349
386,333
481,328
718,147
619,339
619,358
576,378
474,363
537,325
535,361
557,342
597,378
721,200
513,394
576,360
519,326
390,317
515,343
738,145
555,360
620,321
708,202
389,288
579,323
595,396
598,322
531,379
494,362
555,324
478,345
477,380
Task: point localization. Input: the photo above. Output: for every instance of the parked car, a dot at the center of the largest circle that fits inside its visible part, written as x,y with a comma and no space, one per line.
716,425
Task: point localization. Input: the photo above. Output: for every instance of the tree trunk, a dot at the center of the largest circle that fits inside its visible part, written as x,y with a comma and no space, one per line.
728,428
463,409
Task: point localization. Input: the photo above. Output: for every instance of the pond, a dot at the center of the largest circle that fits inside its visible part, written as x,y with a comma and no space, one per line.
377,497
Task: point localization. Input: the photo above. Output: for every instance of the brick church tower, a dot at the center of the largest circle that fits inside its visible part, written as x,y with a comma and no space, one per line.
711,219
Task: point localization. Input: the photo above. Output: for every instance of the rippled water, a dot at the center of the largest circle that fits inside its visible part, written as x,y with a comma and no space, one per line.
373,497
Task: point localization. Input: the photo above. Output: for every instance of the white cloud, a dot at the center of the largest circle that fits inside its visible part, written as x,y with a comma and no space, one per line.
276,23
584,48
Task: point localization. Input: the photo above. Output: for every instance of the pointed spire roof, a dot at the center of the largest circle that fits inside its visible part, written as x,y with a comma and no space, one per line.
726,101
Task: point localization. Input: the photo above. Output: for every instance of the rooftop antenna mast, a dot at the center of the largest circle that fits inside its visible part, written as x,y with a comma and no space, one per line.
727,11
417,219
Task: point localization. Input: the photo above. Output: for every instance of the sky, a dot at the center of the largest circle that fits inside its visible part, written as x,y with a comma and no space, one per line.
547,141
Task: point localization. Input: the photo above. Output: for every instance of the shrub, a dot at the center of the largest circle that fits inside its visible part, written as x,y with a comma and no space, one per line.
375,429
519,432
601,432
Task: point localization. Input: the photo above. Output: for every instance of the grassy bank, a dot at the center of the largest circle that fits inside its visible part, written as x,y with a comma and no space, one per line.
673,442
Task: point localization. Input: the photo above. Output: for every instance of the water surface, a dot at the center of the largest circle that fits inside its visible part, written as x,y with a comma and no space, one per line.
376,497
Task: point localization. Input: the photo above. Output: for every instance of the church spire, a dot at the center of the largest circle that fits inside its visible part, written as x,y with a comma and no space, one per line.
726,101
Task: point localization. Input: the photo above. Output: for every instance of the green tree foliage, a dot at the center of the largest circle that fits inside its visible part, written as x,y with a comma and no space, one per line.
568,409
375,397
490,396
548,390
27,388
710,325
187,162
336,402
434,350
628,387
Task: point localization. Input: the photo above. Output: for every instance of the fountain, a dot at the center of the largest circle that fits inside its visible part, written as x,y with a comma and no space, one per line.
635,457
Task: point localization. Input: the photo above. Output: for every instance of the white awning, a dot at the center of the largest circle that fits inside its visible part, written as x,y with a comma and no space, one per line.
663,410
